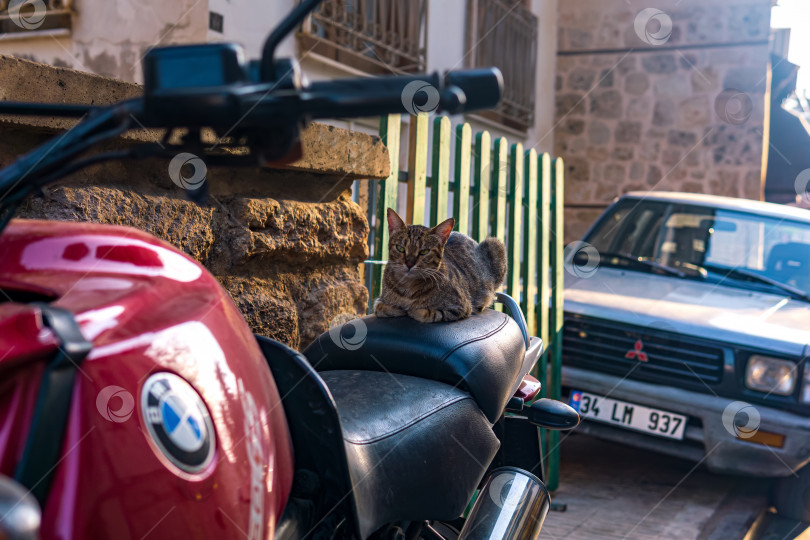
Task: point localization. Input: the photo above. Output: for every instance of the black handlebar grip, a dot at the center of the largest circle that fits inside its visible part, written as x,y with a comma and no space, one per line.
459,91
482,87
371,96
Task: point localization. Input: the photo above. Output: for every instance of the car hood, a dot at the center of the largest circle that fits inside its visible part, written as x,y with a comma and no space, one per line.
737,316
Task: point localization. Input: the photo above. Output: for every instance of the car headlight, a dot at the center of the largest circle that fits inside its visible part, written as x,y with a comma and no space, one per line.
805,398
770,375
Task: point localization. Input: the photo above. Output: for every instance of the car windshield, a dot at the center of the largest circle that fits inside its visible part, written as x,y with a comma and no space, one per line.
739,248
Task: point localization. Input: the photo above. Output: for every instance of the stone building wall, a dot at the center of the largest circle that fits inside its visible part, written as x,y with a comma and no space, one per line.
665,96
285,243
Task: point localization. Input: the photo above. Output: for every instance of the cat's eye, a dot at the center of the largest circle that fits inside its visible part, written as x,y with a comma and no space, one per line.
401,249
424,252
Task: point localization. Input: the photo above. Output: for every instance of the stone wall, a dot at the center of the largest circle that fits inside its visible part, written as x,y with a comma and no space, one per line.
285,243
665,96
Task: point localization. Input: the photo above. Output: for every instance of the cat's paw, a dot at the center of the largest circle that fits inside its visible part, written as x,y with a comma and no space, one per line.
383,310
425,315
450,315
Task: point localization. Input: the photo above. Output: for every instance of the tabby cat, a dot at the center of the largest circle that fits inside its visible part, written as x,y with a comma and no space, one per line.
435,274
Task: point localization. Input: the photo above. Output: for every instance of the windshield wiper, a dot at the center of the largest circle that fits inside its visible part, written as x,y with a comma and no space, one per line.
742,274
644,262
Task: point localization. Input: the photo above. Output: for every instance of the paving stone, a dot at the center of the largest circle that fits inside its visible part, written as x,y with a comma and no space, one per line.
616,491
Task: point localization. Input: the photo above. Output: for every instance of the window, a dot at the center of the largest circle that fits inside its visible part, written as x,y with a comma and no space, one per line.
375,36
503,33
34,16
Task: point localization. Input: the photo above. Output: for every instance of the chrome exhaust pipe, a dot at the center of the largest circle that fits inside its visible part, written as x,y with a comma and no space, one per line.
512,505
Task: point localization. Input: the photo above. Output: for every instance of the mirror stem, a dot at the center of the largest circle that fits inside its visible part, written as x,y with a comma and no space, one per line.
281,31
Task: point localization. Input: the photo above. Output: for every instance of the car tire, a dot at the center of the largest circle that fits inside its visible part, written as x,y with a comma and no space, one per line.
791,496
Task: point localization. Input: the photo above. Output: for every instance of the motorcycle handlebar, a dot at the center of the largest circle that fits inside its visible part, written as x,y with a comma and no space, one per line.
262,105
456,92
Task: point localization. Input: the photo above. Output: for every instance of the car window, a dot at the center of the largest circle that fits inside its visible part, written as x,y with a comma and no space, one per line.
690,237
740,242
630,228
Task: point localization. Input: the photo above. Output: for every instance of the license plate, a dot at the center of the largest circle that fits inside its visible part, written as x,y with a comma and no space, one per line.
628,415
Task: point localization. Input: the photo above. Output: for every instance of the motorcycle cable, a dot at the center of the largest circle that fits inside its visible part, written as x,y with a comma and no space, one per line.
30,173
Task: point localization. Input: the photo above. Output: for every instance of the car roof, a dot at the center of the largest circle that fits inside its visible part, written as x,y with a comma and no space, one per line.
725,203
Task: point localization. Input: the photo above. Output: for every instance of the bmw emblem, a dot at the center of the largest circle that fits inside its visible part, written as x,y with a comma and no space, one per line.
178,421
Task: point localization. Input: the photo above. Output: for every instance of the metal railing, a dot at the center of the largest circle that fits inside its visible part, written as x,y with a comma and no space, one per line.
375,36
34,15
503,33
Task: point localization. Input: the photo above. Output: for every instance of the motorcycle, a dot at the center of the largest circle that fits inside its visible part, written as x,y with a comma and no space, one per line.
135,401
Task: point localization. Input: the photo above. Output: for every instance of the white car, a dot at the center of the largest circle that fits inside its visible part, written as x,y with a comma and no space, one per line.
687,332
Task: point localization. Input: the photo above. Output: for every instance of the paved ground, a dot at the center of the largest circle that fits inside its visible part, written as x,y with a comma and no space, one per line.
612,491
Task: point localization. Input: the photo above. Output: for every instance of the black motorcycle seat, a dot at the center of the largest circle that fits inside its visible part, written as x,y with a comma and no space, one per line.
481,354
416,448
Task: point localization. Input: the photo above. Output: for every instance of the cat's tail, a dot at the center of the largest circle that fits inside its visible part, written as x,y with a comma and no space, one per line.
493,253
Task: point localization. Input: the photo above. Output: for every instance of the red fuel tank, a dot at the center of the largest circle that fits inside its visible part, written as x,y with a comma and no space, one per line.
175,427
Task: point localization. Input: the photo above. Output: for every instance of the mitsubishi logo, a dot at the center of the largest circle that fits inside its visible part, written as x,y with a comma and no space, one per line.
637,352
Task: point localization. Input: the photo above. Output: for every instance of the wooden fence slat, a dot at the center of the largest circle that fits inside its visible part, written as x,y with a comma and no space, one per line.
386,197
440,172
556,317
544,242
417,169
530,226
461,197
515,214
481,191
498,216
499,181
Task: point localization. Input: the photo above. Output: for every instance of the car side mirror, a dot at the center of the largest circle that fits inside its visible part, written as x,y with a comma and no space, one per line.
19,512
552,414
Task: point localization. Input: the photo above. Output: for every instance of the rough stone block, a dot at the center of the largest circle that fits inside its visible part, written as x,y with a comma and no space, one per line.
570,104
615,174
654,175
636,170
705,80
639,108
581,79
659,63
636,83
572,126
628,132
664,113
682,138
671,157
598,132
606,104
674,86
624,153
694,112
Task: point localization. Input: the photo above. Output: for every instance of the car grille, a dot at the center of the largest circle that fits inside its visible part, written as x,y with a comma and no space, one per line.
640,352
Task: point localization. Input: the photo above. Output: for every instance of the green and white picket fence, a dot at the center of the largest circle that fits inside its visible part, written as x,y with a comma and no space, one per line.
497,190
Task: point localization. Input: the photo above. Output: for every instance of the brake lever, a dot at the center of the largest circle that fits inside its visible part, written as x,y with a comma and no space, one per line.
452,100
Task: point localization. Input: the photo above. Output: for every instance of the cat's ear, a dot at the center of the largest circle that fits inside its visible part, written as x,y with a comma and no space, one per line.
443,229
395,222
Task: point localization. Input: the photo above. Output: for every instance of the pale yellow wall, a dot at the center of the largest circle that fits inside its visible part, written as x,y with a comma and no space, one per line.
109,37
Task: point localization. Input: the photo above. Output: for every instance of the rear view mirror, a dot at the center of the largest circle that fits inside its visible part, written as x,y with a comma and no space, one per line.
552,414
725,226
19,512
